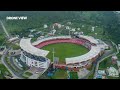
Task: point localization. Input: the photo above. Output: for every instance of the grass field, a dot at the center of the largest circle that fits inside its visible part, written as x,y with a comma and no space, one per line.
65,50
60,74
73,75
106,63
27,74
3,71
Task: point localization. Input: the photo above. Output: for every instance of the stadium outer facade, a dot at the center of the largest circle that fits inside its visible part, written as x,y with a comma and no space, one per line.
33,56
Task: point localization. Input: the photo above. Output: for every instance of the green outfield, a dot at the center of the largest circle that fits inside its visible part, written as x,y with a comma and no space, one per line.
73,75
60,74
65,50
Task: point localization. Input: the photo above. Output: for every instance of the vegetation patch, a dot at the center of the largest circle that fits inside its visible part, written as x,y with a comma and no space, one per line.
65,50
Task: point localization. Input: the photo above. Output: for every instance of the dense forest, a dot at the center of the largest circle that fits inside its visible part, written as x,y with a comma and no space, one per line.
109,20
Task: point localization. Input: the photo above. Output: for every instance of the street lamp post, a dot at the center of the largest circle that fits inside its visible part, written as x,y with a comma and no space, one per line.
53,54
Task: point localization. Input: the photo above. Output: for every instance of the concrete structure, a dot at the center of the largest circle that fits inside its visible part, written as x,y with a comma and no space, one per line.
82,73
118,64
13,39
45,26
69,23
96,49
114,59
83,26
93,29
101,74
78,28
57,25
67,27
112,72
33,56
119,46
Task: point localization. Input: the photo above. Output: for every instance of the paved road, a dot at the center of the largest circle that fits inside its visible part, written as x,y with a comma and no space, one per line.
106,55
19,71
96,65
4,29
7,66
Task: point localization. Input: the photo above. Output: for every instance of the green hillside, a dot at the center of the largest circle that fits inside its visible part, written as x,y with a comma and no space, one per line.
107,20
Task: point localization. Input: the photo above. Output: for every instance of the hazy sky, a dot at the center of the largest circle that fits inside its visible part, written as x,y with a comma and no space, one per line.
118,11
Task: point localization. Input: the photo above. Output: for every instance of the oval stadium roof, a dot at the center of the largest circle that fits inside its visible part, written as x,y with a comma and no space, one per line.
95,50
26,45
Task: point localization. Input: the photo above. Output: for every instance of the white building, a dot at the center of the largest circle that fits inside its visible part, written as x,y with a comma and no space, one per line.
118,64
69,23
57,24
82,73
114,57
80,33
73,29
33,56
93,29
76,33
119,46
13,39
32,30
30,36
83,26
67,27
41,37
45,26
113,72
95,33
78,28
53,31
62,25
101,72
103,44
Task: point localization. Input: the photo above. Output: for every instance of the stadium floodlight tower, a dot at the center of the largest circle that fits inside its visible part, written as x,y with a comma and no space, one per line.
53,54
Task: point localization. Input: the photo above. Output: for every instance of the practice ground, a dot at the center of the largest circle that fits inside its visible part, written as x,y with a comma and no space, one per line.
73,75
65,50
60,74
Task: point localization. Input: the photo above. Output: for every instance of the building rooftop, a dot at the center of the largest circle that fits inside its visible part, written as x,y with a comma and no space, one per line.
92,53
90,38
113,72
26,45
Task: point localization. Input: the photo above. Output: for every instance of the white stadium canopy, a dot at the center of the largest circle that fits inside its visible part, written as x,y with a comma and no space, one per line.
50,38
91,54
90,38
26,45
